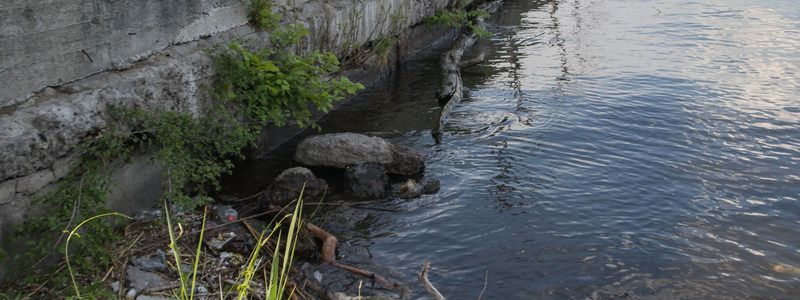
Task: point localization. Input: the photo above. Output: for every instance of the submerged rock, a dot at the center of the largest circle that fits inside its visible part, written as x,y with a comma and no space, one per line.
412,189
430,186
409,189
340,150
287,186
366,180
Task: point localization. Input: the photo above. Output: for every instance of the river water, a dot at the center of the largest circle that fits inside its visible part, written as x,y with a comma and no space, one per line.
605,149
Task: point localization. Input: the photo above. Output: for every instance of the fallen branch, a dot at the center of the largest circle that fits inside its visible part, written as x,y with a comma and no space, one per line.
423,279
328,252
452,88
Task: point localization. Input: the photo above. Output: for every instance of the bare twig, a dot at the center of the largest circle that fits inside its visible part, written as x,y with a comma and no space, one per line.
423,279
485,283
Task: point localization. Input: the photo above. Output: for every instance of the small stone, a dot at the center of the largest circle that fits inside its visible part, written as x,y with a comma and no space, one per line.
430,186
131,295
287,186
410,189
366,180
157,262
115,286
317,275
142,280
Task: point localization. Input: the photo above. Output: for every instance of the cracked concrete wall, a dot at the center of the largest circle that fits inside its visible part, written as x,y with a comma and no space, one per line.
52,42
64,61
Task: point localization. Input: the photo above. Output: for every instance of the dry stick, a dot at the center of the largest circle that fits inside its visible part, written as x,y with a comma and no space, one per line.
423,278
329,243
485,283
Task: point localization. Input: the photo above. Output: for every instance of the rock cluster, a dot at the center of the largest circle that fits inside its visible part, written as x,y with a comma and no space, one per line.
367,163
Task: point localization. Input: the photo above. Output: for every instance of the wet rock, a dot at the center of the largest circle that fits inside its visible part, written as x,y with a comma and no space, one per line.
142,280
366,180
430,186
340,150
287,186
157,262
409,189
405,161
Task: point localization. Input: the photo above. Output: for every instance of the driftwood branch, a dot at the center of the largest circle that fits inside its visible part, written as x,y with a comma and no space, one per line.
329,243
451,87
423,279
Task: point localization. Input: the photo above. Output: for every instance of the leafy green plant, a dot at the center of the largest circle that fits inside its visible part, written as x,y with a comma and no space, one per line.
381,48
261,15
458,19
279,86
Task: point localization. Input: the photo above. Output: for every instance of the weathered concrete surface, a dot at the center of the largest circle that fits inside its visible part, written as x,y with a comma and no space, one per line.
49,43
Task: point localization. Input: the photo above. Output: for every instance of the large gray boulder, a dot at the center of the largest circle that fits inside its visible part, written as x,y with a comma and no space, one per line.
340,150
367,180
287,186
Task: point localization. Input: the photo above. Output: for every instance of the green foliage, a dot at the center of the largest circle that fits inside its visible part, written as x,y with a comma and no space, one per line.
278,86
459,19
261,15
252,89
381,48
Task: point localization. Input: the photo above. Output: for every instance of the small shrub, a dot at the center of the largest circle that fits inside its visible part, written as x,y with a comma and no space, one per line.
261,15
460,19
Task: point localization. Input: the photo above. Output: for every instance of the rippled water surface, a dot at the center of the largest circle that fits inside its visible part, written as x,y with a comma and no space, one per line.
604,149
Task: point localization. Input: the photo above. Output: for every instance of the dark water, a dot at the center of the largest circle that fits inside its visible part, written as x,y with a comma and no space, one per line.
605,149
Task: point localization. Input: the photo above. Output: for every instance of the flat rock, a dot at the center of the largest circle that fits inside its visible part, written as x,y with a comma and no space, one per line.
340,150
